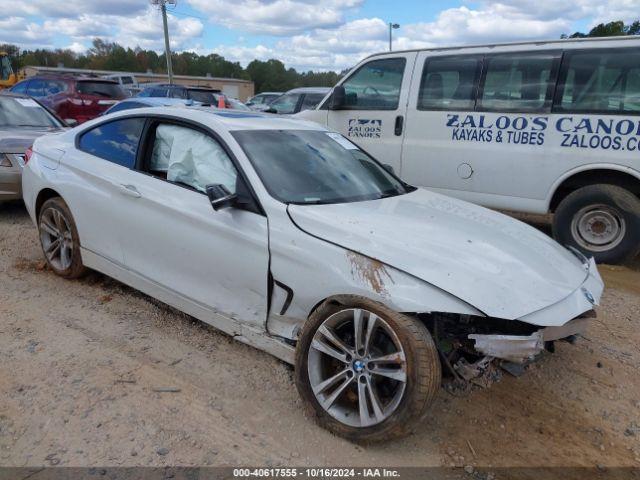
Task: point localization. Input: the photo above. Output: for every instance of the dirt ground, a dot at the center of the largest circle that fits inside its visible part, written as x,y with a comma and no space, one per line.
94,373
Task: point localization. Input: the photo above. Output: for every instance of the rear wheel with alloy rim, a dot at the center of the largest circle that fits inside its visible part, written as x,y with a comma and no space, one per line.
368,373
59,239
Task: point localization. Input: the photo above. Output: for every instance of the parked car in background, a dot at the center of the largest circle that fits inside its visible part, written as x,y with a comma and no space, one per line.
201,95
262,100
204,95
127,82
22,120
140,102
534,127
74,99
297,100
292,239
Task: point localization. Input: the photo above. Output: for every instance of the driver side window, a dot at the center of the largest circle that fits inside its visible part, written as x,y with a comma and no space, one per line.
375,86
189,157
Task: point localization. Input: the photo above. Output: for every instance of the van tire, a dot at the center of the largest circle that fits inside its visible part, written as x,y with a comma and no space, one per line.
602,221
423,369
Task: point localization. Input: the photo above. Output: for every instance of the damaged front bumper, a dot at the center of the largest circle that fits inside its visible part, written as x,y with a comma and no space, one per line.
579,306
522,348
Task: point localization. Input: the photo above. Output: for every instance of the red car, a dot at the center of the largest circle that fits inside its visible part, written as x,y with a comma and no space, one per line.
74,99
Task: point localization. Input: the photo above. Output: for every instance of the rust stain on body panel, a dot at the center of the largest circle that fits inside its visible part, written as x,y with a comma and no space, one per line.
369,271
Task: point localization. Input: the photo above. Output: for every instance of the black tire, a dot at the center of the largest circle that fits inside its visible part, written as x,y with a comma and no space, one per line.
423,370
75,269
618,204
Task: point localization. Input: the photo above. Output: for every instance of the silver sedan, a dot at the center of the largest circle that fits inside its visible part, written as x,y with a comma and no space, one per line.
22,120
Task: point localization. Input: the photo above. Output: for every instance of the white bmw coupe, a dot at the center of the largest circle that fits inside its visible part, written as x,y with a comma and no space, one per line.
290,238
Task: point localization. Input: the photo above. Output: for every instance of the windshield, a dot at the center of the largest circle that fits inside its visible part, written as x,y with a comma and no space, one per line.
101,89
24,112
204,96
314,167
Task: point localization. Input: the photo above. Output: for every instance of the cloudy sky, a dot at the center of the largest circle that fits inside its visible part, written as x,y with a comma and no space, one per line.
305,34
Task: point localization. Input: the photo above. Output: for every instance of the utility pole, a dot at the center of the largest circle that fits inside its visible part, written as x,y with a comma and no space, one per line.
392,27
167,48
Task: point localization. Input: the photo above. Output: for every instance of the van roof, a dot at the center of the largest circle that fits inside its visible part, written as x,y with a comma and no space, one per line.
629,38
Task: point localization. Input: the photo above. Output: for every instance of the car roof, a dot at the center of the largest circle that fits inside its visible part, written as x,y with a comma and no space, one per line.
9,93
227,119
186,87
268,93
158,101
70,78
310,90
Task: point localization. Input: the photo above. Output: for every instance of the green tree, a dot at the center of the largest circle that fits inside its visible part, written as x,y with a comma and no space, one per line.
611,29
104,55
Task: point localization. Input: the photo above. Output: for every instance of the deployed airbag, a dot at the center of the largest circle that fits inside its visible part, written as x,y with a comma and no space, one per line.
192,157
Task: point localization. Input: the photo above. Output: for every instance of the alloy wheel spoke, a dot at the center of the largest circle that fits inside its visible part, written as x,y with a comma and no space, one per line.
51,253
331,399
65,255
371,326
48,227
366,397
321,387
329,350
57,216
358,329
52,246
396,358
333,338
377,410
399,375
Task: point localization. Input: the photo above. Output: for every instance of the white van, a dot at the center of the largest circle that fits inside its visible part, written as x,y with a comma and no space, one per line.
532,127
127,81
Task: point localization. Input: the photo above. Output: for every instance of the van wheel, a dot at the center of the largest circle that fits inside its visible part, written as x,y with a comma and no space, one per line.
366,372
602,221
59,239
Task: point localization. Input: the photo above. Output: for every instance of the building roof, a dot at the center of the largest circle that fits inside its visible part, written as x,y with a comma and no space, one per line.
135,74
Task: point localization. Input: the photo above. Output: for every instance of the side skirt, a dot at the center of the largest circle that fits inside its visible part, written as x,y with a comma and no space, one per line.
250,336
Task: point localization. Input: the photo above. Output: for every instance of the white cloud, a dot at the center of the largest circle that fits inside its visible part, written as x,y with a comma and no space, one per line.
18,30
309,34
143,30
276,17
70,8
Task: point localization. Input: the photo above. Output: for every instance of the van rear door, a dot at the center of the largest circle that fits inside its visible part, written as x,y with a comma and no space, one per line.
374,112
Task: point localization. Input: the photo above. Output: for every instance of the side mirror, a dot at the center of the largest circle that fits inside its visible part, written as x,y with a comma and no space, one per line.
72,122
270,110
220,196
338,98
388,168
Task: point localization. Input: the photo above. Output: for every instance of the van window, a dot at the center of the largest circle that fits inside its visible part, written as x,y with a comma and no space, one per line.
375,86
286,104
449,83
115,141
601,81
518,82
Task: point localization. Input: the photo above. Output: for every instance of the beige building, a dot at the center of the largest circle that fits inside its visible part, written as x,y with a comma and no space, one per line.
232,87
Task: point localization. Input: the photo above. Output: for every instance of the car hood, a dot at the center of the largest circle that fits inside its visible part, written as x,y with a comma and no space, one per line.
18,139
502,267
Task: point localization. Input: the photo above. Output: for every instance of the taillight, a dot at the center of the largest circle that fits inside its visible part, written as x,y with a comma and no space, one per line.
27,155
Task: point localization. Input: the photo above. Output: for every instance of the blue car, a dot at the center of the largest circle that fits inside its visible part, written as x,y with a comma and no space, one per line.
140,102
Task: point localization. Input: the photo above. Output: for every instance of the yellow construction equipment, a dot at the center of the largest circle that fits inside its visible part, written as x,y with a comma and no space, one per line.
8,77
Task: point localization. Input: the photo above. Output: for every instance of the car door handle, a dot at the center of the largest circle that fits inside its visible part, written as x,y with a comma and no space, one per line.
130,190
399,125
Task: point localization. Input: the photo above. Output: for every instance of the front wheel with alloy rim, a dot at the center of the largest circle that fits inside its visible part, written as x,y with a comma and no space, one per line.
59,239
602,221
366,372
